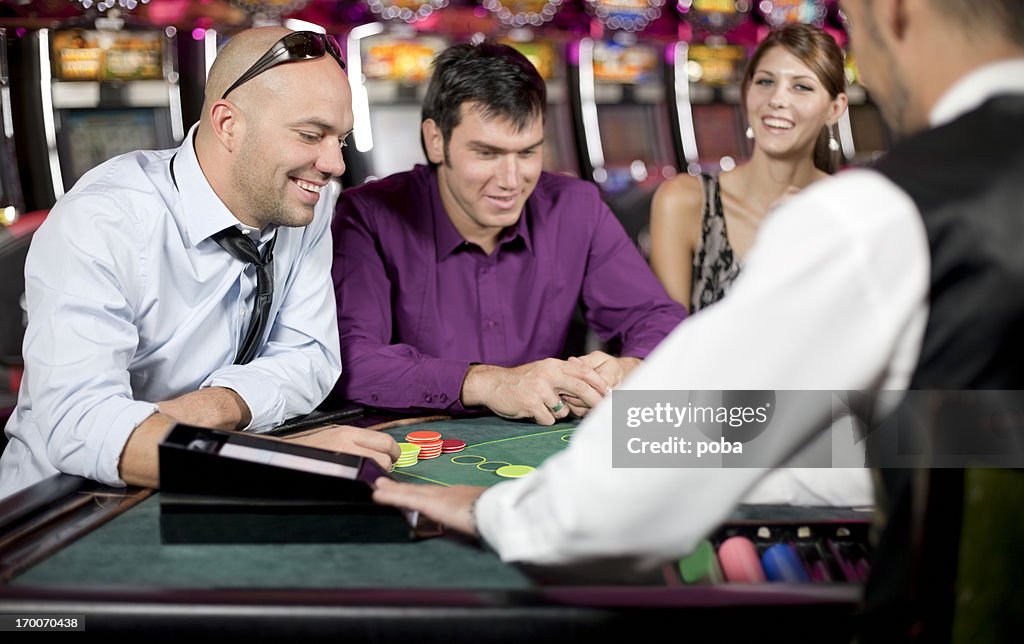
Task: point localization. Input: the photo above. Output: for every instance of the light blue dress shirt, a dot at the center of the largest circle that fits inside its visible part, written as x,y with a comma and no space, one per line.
131,302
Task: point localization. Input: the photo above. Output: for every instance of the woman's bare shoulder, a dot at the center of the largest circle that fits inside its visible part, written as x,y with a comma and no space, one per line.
679,198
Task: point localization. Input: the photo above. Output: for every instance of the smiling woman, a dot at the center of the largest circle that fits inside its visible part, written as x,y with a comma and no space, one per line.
702,227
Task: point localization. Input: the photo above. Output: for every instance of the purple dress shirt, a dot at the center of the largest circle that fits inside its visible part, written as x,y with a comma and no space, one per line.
417,303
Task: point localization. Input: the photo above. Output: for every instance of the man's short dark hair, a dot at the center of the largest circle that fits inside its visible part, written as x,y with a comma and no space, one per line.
499,80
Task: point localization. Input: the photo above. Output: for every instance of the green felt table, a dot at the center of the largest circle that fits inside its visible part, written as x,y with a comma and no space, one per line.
142,560
97,551
497,441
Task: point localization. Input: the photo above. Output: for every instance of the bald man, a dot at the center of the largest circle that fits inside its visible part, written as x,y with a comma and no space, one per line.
193,285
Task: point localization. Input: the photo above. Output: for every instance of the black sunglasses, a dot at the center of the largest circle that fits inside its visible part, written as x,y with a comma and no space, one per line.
298,45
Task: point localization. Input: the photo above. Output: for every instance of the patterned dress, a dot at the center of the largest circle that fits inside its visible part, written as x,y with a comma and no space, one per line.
715,266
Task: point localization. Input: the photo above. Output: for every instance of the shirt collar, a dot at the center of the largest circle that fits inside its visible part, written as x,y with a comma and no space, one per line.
202,210
973,89
447,238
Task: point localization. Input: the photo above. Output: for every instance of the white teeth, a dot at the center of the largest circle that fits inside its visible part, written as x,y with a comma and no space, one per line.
311,187
778,123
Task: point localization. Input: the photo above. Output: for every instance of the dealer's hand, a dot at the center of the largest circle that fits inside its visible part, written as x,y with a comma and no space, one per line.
452,507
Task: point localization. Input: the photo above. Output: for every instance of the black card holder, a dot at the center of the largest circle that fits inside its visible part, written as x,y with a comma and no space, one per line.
229,487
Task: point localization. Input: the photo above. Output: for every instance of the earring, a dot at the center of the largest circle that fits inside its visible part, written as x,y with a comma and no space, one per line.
832,143
750,133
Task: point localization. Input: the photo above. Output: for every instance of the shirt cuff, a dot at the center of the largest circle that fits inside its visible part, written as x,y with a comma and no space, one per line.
111,445
262,396
507,531
487,514
445,388
452,375
434,384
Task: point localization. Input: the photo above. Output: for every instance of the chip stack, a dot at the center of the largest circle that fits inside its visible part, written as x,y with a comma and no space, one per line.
429,443
452,446
410,455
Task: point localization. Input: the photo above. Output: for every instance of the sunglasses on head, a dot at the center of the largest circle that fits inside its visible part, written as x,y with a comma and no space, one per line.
298,45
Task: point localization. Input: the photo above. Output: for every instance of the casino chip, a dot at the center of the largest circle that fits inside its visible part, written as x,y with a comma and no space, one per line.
513,471
410,455
452,446
429,443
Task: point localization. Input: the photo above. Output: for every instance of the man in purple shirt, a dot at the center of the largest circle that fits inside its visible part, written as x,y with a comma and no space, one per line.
456,283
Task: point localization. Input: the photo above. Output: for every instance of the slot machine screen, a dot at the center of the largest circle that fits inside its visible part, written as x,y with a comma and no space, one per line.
869,133
396,145
399,59
630,132
94,136
717,130
91,55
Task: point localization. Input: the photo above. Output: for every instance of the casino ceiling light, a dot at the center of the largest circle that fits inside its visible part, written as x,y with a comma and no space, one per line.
782,12
626,15
103,5
714,16
406,10
523,13
271,9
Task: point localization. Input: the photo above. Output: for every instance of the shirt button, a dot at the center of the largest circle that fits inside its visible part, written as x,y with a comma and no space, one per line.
491,324
373,397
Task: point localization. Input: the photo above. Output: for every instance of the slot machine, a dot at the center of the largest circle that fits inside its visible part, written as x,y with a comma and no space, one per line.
15,232
106,86
521,17
388,67
619,106
705,72
11,202
196,52
559,146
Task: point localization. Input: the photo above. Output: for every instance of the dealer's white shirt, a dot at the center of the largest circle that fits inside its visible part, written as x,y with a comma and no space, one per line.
833,297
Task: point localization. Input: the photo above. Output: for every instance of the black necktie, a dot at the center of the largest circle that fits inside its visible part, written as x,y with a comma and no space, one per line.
244,249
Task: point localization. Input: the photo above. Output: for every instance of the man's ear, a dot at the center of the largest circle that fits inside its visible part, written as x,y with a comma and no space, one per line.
893,16
433,141
228,124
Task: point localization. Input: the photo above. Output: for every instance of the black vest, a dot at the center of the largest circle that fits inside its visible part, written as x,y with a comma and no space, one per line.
967,180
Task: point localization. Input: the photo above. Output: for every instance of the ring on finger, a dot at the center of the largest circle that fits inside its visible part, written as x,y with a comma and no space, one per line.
557,407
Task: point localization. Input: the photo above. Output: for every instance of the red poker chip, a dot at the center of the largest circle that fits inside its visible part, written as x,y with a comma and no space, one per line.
453,444
416,437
